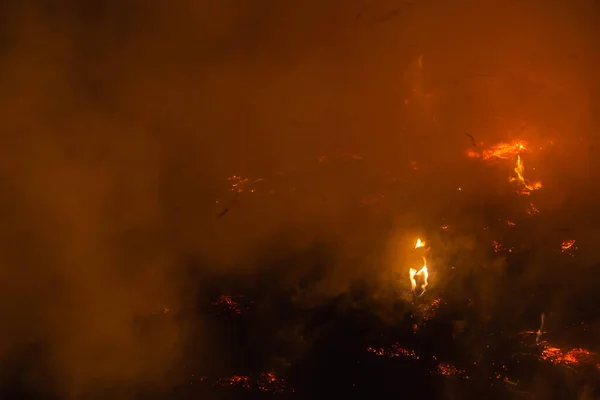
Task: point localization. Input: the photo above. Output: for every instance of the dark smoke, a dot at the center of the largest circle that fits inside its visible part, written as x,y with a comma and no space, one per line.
121,121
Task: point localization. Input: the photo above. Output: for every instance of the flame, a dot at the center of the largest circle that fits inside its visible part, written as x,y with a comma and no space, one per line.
505,151
523,185
419,244
567,245
501,150
423,271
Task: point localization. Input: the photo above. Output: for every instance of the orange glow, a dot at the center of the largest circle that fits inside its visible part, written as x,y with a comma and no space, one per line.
419,244
567,358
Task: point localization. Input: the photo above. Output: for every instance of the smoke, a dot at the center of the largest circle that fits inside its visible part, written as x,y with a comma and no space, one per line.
122,121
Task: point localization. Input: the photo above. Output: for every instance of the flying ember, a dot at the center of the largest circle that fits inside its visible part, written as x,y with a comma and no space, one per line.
419,244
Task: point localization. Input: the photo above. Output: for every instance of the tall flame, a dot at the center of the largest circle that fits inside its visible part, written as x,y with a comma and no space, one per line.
523,185
423,271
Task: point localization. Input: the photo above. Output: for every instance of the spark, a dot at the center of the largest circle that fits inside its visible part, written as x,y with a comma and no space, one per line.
446,369
419,244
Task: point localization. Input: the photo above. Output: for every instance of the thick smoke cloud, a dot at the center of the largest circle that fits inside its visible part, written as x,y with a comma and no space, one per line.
121,122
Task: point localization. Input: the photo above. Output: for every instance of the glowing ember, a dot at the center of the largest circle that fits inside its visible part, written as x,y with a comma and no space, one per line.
237,183
500,248
510,223
429,310
568,247
419,244
532,209
523,185
393,351
267,382
445,369
229,304
570,358
236,380
414,273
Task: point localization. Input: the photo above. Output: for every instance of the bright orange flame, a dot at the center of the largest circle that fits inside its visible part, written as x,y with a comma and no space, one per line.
501,150
419,244
423,271
568,247
523,185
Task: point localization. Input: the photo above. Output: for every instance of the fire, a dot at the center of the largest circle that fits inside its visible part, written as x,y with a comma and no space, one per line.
524,186
568,247
567,358
501,150
505,151
423,271
419,244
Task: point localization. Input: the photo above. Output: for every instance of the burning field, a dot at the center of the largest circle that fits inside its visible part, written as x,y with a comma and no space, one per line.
223,200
